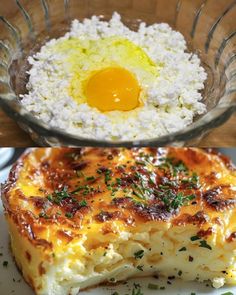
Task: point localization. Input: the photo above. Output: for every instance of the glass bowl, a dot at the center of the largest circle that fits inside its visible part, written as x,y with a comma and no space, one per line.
208,26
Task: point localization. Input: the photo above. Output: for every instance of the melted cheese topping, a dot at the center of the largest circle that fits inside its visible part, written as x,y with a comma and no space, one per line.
80,217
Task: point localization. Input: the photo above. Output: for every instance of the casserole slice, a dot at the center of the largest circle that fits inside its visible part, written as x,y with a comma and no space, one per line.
81,217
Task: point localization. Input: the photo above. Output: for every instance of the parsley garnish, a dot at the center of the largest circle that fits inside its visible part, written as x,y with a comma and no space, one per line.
58,196
118,181
181,200
168,164
204,244
141,189
194,238
183,249
153,287
137,290
173,200
90,178
140,267
44,215
107,176
68,215
193,182
227,293
162,288
139,254
86,190
50,198
83,203
145,159
5,263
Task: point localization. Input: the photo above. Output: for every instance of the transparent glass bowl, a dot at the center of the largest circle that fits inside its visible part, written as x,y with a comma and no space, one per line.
208,26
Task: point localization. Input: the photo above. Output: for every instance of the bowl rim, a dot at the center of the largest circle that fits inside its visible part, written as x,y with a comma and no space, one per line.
197,128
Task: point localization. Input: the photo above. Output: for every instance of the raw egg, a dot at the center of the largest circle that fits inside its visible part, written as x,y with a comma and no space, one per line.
110,74
113,89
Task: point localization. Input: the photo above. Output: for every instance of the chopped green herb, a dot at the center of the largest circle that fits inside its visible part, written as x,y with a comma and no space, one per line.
153,286
140,267
141,189
68,215
5,263
137,290
105,253
180,200
183,249
114,190
169,164
137,203
44,215
173,200
204,244
180,273
193,293
137,194
227,293
139,254
192,182
80,188
107,176
194,238
118,181
90,178
87,190
83,203
163,187
57,196
162,288
50,198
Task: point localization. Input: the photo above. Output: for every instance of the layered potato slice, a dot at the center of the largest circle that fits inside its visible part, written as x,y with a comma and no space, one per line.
81,217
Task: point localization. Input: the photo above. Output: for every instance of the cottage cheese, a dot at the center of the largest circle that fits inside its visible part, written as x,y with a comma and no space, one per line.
171,95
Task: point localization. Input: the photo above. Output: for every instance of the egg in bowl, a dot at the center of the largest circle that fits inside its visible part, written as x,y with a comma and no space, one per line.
115,83
105,81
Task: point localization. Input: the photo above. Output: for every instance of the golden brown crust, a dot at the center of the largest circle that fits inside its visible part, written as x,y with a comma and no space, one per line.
70,189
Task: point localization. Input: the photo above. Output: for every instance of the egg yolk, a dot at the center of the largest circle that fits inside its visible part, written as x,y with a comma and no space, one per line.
113,89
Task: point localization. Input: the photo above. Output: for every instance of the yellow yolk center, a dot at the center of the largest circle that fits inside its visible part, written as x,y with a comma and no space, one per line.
113,89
